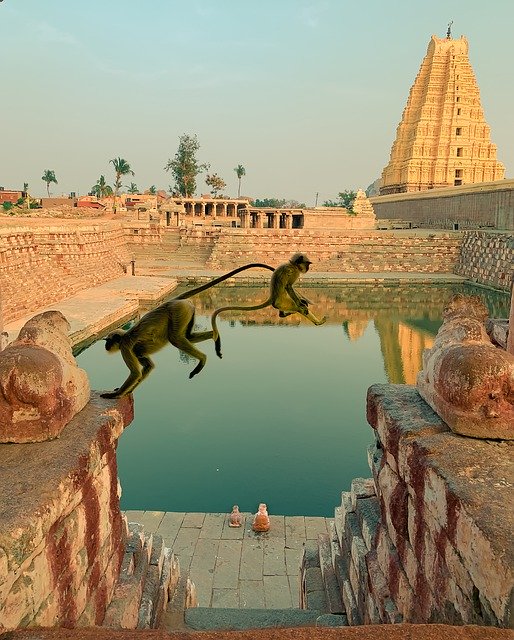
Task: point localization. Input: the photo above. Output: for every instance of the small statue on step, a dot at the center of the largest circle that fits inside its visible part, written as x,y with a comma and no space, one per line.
236,517
261,521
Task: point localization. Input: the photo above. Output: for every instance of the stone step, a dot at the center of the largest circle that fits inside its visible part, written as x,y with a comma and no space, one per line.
209,619
332,591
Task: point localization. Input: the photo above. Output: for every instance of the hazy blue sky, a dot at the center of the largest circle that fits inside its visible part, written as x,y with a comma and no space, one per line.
306,94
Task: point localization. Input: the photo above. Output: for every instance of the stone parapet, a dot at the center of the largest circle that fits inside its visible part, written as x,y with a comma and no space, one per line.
62,534
443,543
428,538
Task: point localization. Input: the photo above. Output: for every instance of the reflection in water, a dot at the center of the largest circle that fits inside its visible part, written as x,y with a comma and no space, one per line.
406,318
281,419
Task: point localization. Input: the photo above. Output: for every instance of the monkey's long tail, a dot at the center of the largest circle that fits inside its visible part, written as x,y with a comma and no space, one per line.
215,333
212,283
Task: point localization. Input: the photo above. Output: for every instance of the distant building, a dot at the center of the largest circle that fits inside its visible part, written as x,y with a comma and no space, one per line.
8,195
443,139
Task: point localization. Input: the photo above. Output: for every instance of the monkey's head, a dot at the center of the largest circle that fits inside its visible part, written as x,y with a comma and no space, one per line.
113,341
301,261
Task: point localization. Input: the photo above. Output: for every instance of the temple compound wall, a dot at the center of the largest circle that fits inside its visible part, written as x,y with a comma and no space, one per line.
488,204
428,537
43,264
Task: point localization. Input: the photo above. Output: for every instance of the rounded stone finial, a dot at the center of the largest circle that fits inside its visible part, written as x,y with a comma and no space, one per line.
41,385
466,380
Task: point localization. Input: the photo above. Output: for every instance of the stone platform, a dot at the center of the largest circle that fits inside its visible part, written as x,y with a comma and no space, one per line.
235,567
95,311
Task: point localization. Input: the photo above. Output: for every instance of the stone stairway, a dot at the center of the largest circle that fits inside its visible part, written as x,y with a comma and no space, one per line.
180,248
207,619
340,573
338,250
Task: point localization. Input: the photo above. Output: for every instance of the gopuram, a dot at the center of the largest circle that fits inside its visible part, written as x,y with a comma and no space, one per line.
443,138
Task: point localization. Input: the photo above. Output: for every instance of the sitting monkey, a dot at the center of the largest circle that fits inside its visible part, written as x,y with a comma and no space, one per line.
282,296
171,322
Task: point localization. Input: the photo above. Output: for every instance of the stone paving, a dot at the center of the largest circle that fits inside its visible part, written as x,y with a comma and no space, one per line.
235,567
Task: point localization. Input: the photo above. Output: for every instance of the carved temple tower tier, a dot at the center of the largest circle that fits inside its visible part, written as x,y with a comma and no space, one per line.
443,139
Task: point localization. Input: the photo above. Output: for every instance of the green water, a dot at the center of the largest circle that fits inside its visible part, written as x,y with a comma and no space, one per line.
281,418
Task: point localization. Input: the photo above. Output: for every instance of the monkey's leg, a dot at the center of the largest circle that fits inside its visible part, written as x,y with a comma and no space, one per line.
147,365
310,316
133,379
184,345
200,337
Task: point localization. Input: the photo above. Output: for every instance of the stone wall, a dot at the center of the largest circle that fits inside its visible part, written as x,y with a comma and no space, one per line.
487,258
429,537
46,263
62,535
487,204
336,250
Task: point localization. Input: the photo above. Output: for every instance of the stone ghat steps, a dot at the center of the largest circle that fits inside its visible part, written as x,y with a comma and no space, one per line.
341,252
207,619
335,572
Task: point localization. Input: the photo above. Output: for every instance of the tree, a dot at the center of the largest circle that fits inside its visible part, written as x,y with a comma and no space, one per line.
26,191
345,200
275,203
240,172
184,167
152,190
121,168
216,183
133,188
48,177
101,189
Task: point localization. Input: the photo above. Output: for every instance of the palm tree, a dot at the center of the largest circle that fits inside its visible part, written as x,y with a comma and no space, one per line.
133,188
152,190
48,177
240,172
26,191
101,189
121,168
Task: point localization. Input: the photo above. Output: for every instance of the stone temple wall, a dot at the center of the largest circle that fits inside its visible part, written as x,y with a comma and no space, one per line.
489,204
429,537
487,258
40,265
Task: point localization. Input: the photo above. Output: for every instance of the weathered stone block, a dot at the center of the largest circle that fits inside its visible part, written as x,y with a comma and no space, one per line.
465,378
361,488
41,386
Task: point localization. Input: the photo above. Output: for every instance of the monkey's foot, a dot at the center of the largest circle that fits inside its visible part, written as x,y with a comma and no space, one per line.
111,394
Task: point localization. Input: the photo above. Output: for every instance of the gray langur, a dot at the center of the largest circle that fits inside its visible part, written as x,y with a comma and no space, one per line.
171,322
282,296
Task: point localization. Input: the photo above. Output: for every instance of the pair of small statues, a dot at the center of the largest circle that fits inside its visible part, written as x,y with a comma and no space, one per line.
261,521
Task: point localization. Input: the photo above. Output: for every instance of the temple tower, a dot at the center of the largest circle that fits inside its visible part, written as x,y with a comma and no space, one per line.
443,139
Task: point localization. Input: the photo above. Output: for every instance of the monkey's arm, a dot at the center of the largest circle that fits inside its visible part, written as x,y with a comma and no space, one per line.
135,377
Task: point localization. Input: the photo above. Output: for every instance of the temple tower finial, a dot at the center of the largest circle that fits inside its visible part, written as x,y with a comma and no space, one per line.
449,32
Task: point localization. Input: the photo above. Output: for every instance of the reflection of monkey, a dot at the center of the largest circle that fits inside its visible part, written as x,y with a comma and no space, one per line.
282,295
171,322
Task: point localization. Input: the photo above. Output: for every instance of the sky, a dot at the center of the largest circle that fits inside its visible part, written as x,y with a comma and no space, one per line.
305,94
